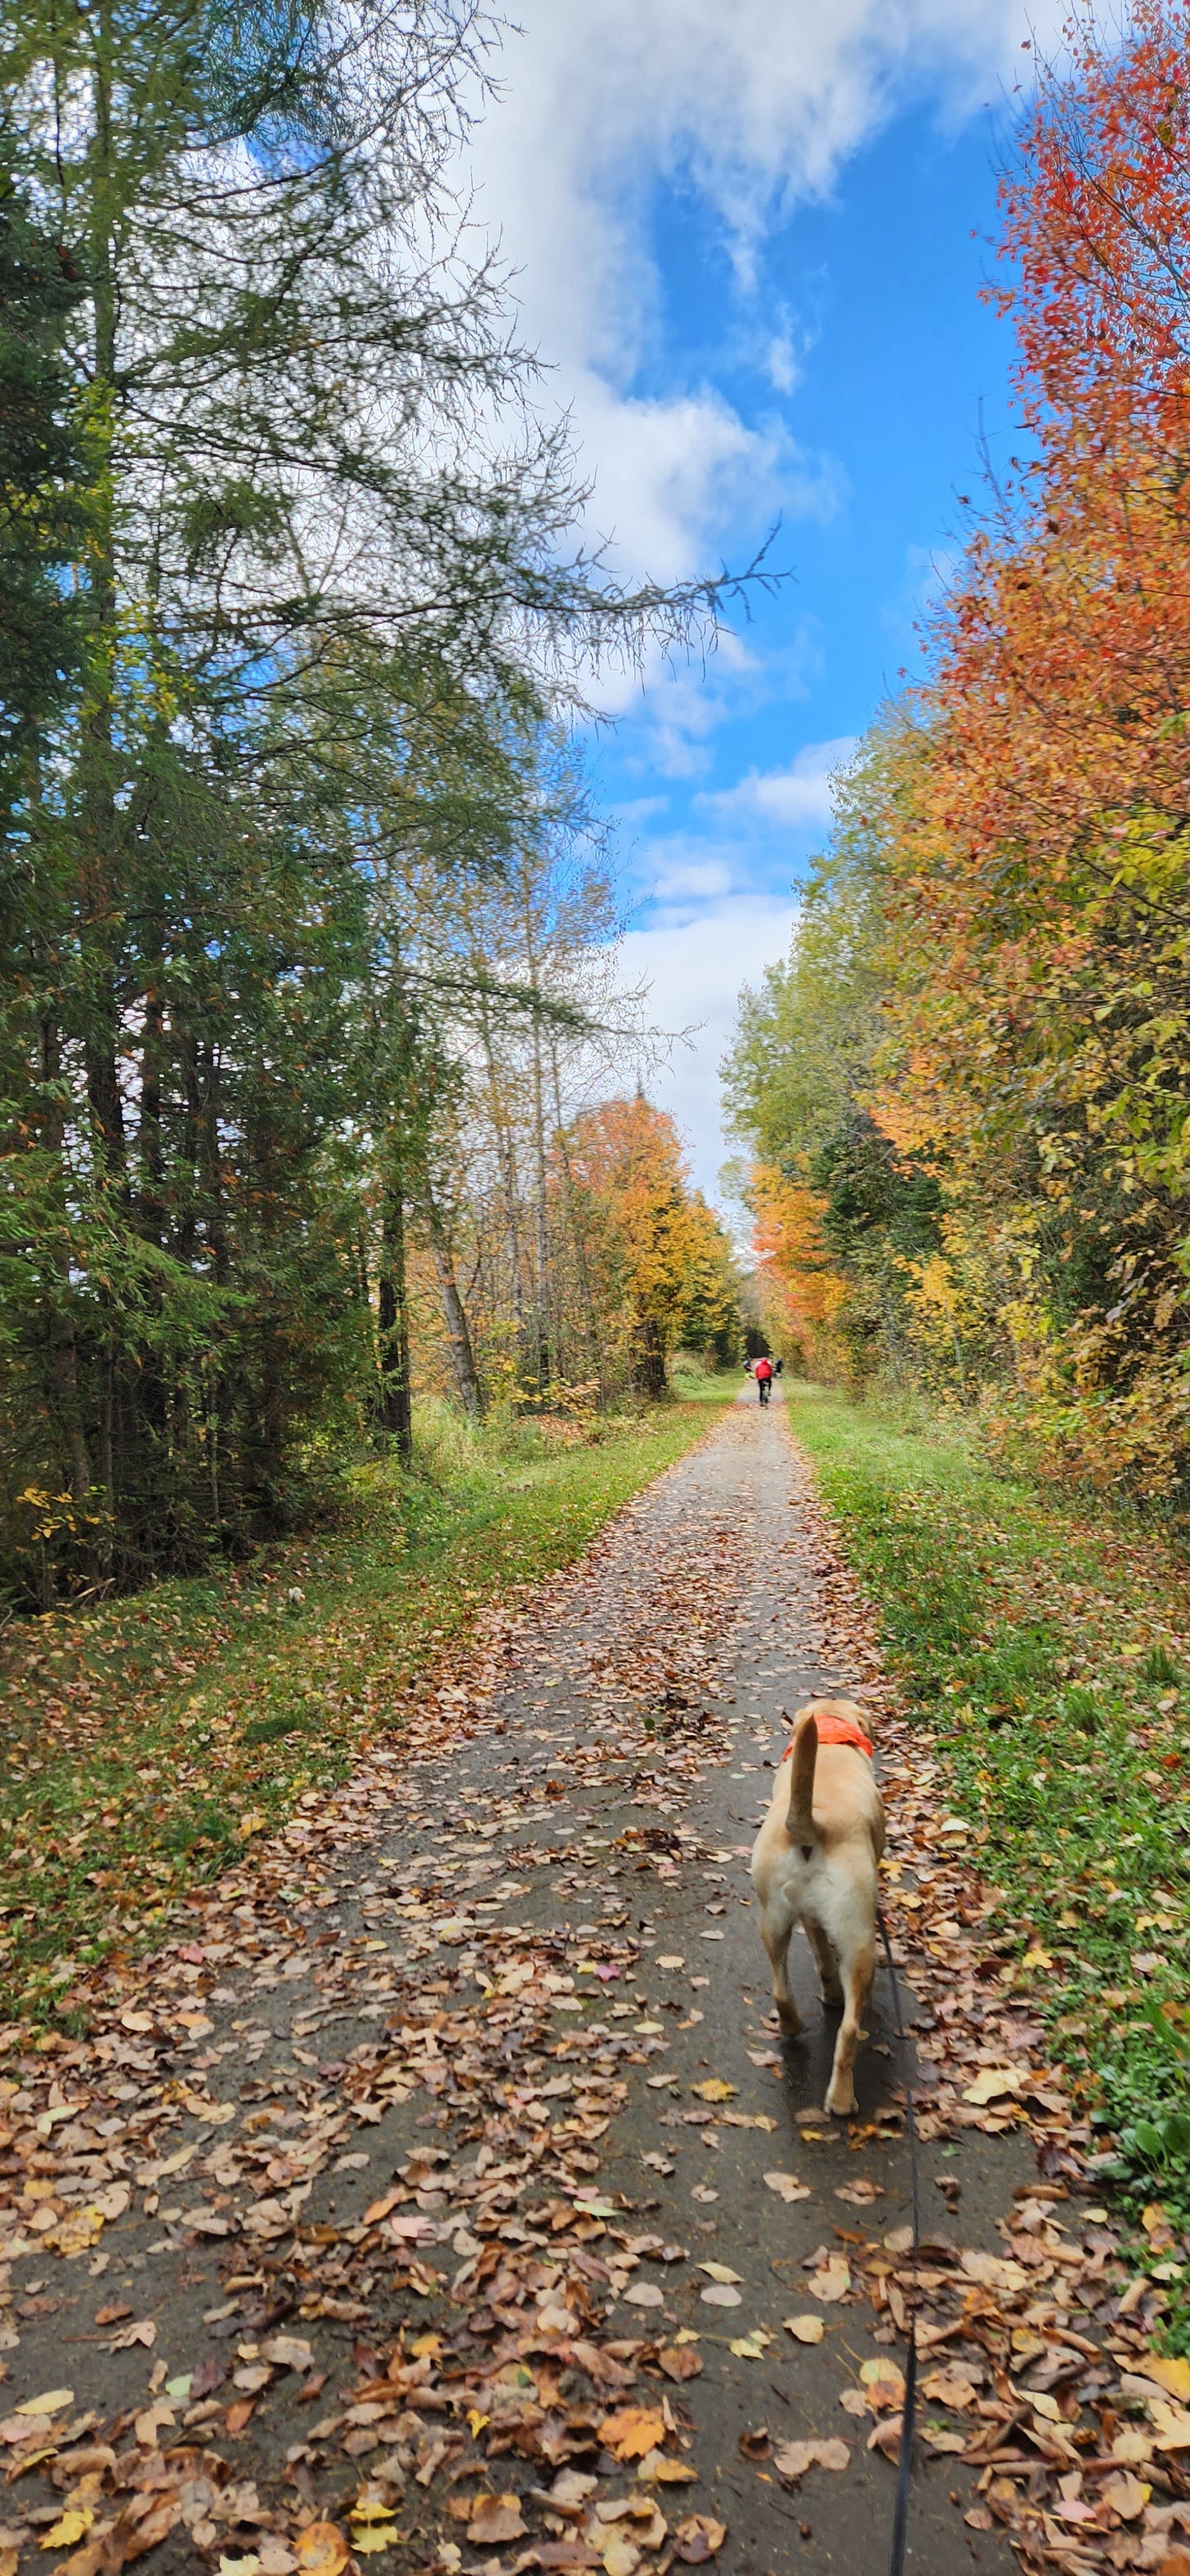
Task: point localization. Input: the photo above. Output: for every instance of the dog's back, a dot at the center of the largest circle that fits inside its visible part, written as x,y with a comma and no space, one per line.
815,1862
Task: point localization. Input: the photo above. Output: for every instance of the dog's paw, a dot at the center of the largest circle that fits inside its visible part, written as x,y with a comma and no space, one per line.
790,2020
840,2100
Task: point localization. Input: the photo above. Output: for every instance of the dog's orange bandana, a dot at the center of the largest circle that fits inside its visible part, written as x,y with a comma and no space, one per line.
838,1730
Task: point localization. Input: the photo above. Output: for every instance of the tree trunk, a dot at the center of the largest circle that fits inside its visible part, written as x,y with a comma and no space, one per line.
64,1376
396,1395
650,1360
458,1329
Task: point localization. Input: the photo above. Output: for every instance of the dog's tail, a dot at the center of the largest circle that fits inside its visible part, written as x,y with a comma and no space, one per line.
800,1825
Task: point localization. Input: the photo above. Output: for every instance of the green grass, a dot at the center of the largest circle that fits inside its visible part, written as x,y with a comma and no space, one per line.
148,1739
1045,1642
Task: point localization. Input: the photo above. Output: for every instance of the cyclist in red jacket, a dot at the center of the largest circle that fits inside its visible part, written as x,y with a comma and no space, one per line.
764,1377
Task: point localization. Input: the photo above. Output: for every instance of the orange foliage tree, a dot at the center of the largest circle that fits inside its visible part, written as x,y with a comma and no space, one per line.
1033,846
659,1263
1017,832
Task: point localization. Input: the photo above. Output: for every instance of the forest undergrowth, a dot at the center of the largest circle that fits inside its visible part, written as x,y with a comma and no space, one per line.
1045,1644
149,1738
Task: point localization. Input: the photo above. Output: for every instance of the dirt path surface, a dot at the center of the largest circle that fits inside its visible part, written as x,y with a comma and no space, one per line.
446,2188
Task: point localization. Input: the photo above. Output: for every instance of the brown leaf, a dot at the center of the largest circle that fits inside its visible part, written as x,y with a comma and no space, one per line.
494,2519
151,2528
1124,2494
756,2445
679,2361
792,2459
698,2538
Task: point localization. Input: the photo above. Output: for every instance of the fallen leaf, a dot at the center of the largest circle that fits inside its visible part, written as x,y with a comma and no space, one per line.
991,2083
787,2186
494,2519
287,2352
805,2329
1172,2374
678,2361
719,2294
1171,2426
69,2528
720,2272
751,2347
792,2459
144,2331
632,2432
321,2549
50,2403
1125,2495
644,2294
832,2282
698,2538
992,2271
714,2089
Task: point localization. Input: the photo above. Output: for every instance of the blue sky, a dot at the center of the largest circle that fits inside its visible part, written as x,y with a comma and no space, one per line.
750,248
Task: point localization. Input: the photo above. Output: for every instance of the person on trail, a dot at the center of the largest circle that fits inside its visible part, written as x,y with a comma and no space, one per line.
778,1365
748,1368
764,1372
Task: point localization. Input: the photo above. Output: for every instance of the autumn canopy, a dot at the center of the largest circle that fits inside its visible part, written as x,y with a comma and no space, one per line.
980,1170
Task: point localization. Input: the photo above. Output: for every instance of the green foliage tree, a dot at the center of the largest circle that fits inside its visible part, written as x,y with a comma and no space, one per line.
318,537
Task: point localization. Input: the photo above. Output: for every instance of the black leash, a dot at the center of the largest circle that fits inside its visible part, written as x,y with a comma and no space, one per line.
896,2559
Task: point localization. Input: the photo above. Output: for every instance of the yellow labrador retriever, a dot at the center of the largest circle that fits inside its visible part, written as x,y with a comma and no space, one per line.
814,1863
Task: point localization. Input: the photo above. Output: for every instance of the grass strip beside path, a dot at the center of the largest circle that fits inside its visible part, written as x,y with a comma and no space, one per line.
148,1738
1047,1646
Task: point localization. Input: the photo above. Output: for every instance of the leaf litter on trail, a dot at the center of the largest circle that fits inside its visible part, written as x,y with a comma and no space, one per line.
481,2284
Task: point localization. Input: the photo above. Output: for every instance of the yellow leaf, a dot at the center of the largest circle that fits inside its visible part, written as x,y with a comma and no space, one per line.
991,2082
476,2422
720,2272
1173,2375
805,2329
751,2347
255,1824
51,2403
366,2542
715,2090
69,2527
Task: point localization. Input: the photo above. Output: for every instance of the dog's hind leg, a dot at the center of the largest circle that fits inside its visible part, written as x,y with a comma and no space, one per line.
858,1973
776,1929
828,1967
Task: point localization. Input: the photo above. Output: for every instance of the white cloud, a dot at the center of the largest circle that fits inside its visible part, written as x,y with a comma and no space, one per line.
696,879
695,969
756,107
798,798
